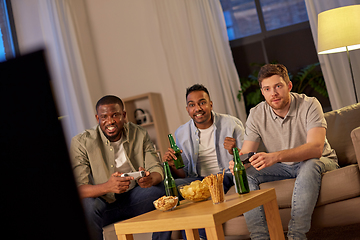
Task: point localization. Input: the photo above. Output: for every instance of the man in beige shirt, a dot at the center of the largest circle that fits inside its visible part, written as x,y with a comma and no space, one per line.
101,155
293,129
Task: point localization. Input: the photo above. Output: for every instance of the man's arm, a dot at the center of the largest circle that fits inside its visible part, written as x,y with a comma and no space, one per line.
169,157
229,144
237,139
153,168
116,184
248,146
313,148
150,179
81,168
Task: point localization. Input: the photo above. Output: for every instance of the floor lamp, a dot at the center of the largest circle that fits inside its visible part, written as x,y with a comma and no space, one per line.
339,31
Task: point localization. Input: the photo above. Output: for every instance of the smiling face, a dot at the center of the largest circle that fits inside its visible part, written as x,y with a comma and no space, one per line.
199,108
111,119
277,94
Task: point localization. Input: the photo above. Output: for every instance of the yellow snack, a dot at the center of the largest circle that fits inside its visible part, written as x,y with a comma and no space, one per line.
215,183
195,191
166,203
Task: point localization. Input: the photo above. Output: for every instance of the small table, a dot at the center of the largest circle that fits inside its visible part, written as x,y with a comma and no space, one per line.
191,216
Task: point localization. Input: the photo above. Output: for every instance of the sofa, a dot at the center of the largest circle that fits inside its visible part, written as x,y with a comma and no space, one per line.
339,199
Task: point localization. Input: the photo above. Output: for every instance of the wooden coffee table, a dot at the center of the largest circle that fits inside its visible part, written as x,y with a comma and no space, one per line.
191,216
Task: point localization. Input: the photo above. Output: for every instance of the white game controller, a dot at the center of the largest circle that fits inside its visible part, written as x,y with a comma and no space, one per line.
136,175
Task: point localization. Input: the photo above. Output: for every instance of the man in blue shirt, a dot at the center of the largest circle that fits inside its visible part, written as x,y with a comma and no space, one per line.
206,140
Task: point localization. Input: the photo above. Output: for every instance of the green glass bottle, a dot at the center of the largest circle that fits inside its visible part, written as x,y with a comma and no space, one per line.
179,163
240,178
169,182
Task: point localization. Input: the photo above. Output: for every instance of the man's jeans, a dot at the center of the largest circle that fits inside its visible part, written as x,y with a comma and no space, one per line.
137,201
227,183
305,194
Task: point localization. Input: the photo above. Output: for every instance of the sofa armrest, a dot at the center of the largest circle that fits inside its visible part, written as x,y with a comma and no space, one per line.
355,137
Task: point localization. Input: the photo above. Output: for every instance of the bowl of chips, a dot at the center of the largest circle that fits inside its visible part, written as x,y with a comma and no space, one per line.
196,191
166,203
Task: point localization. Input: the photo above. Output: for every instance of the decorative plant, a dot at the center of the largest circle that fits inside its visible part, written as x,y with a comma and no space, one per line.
308,76
250,88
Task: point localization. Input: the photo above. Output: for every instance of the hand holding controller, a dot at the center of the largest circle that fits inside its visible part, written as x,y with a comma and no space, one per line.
135,175
245,157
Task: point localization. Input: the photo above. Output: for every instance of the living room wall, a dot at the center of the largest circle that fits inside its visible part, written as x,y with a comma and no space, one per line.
126,39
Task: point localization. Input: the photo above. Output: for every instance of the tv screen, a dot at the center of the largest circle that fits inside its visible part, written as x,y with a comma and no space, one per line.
39,197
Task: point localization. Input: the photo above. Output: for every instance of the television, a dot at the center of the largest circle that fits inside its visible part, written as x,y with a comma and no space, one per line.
39,197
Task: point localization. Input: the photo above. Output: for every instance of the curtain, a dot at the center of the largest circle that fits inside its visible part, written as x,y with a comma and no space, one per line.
194,40
68,77
197,50
335,67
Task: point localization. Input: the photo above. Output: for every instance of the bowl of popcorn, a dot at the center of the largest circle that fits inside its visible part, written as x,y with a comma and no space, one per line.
196,191
166,203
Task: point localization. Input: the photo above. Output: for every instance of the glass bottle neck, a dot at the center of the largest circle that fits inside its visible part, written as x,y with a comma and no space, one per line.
172,142
236,155
167,170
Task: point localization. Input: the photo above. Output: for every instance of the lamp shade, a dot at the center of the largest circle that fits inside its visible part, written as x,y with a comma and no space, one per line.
339,28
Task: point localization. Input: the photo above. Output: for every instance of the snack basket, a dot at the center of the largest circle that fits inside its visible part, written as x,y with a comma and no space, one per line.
166,203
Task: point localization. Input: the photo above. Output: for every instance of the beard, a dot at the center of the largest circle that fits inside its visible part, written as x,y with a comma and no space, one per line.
115,136
112,138
281,104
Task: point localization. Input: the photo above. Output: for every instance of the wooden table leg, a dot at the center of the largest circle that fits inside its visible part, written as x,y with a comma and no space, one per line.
273,220
125,237
215,233
192,234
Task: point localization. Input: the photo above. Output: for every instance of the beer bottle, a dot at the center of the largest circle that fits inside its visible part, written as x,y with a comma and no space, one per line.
240,178
169,182
179,163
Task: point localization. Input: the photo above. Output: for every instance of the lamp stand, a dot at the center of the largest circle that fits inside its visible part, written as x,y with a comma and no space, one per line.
352,75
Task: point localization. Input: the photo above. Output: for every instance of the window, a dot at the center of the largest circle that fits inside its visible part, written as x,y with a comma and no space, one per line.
241,18
282,13
8,40
249,17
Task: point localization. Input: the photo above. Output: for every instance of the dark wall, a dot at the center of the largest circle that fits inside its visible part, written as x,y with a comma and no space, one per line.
294,49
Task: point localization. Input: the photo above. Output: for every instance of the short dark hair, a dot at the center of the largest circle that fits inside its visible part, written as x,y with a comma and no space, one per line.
109,99
197,87
269,70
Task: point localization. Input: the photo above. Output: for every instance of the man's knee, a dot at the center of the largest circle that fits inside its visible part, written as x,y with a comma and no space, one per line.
312,166
153,192
93,206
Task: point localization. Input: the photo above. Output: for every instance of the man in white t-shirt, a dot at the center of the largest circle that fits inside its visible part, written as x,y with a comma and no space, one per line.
206,141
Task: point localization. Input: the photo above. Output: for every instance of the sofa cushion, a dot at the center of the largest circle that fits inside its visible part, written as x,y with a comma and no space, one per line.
340,124
336,185
340,184
284,189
